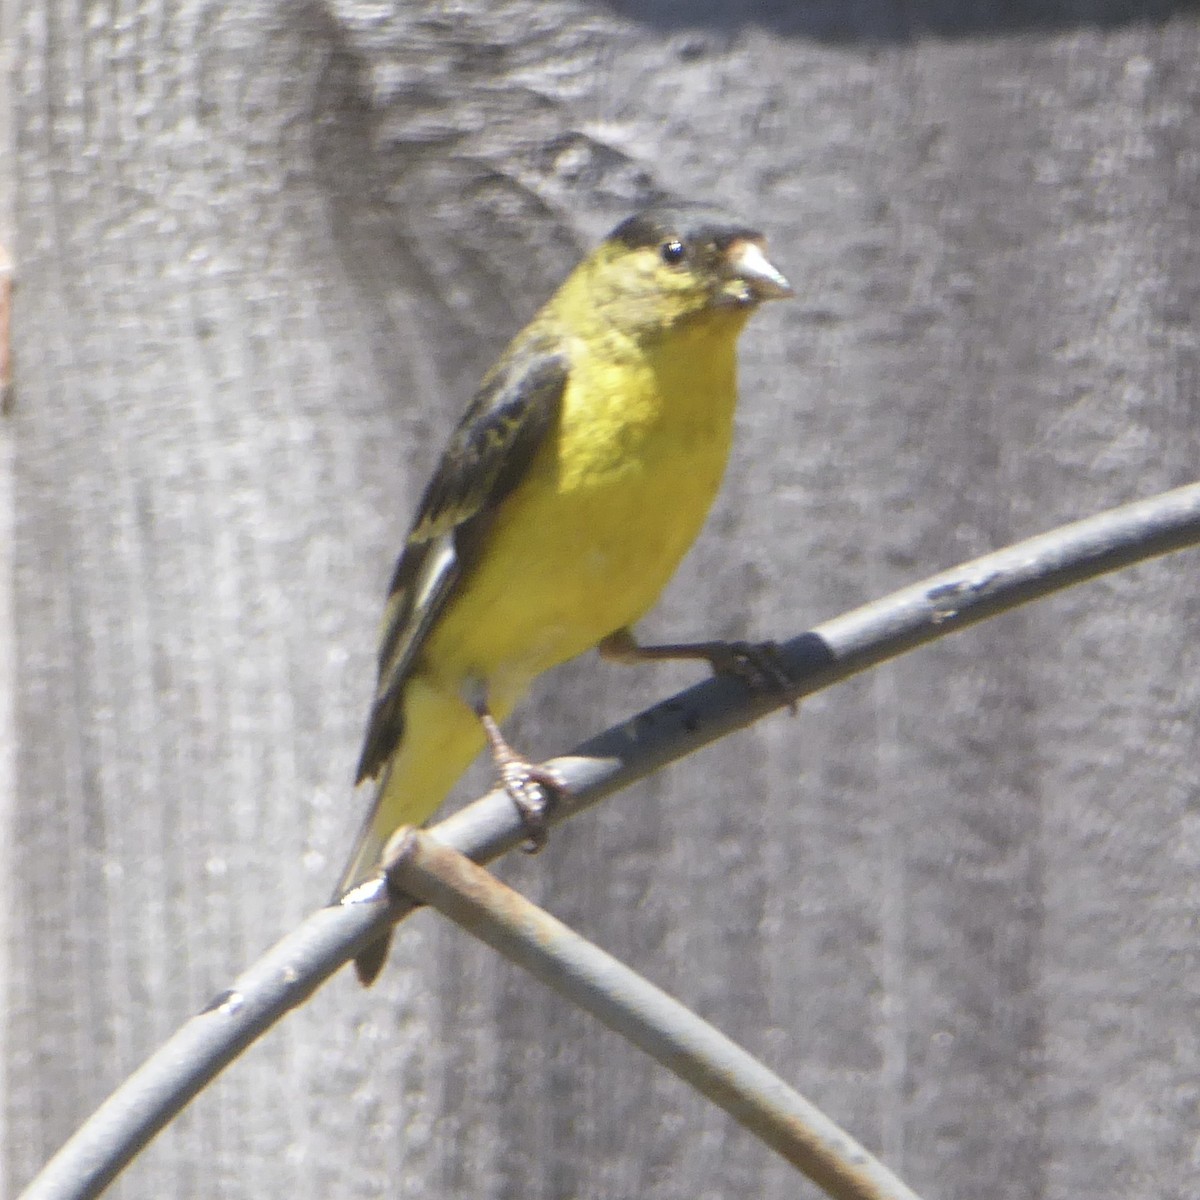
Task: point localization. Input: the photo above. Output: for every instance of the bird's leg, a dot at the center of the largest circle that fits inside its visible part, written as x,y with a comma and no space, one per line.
756,664
533,789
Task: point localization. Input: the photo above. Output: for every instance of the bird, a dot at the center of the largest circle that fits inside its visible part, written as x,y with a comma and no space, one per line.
575,482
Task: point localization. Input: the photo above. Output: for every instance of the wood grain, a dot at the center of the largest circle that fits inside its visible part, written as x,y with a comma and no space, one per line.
265,252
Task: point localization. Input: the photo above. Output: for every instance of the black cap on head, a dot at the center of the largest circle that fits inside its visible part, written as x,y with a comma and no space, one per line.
689,222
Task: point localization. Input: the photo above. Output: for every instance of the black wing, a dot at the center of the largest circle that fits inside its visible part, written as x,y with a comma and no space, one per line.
488,454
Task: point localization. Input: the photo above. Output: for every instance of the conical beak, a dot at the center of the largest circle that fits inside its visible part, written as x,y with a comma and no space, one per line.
745,261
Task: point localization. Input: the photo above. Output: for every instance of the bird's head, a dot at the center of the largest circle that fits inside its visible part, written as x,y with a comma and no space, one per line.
674,264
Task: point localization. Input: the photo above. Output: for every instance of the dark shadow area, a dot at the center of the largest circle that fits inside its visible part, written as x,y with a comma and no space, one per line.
878,21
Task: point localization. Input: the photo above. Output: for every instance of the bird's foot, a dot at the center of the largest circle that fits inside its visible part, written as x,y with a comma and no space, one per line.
533,789
759,665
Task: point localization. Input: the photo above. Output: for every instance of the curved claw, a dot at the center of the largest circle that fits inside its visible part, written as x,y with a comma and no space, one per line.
534,791
759,665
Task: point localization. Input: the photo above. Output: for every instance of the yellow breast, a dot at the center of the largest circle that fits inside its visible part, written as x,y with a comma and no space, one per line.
612,502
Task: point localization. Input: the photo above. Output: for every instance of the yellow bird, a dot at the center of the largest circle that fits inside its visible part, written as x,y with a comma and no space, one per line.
573,486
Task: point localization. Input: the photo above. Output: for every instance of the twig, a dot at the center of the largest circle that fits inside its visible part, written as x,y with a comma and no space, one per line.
653,1021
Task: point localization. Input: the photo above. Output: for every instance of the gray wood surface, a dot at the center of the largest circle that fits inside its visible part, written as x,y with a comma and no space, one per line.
264,253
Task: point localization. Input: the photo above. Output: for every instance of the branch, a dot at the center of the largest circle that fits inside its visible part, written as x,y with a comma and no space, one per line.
297,965
643,1014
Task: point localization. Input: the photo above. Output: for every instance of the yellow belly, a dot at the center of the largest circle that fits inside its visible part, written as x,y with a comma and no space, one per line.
595,530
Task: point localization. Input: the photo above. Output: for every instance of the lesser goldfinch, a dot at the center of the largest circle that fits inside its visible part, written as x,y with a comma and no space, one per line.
571,489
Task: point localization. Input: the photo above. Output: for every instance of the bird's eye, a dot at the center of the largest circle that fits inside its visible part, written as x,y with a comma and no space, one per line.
672,252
